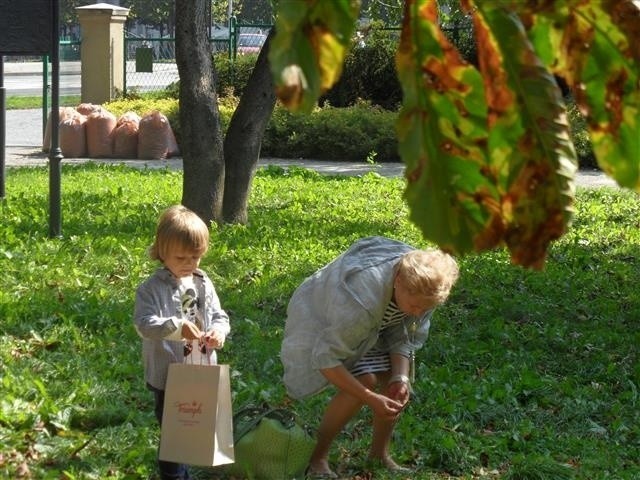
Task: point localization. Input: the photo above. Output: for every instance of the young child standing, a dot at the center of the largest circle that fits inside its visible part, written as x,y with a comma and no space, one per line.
177,311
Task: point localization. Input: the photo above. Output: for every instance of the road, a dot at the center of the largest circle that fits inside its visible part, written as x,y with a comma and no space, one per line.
26,79
31,85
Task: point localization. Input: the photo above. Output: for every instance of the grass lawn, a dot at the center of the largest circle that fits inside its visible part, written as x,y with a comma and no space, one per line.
527,375
20,102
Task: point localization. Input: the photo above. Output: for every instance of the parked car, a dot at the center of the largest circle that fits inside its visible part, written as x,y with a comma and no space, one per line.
250,43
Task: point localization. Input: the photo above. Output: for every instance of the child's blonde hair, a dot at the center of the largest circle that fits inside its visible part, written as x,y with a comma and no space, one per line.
179,227
429,274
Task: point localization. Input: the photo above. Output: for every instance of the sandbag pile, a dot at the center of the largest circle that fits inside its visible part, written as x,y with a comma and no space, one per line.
100,126
125,136
155,137
91,130
63,114
72,134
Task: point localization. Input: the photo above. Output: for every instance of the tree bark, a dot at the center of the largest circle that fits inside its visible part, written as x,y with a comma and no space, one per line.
244,137
201,130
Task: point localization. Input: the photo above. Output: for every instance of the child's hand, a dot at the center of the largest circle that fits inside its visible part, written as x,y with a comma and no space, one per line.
190,331
214,339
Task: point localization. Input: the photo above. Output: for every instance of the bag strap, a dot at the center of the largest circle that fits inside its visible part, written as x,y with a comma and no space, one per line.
248,417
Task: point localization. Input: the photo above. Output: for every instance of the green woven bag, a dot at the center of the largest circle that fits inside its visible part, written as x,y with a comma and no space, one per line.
269,445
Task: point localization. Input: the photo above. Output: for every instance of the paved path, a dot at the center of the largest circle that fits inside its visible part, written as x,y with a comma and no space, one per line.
24,141
22,79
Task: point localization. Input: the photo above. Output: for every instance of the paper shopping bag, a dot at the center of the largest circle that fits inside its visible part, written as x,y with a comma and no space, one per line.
197,421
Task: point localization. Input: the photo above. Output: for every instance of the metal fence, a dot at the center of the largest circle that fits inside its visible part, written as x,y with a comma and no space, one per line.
69,79
150,63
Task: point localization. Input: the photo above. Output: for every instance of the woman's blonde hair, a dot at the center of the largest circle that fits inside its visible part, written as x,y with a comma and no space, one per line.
429,274
179,227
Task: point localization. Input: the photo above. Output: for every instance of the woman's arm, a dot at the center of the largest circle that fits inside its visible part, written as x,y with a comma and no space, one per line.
399,387
347,383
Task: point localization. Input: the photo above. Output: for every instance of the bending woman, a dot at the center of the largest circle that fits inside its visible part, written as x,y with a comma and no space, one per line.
355,324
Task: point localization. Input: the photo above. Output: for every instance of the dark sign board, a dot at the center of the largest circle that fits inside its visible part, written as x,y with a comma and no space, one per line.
25,27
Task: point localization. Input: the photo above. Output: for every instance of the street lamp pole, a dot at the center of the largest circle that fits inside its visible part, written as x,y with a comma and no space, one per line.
55,153
2,127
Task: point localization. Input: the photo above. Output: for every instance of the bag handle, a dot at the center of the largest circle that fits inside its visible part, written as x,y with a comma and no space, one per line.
248,417
205,358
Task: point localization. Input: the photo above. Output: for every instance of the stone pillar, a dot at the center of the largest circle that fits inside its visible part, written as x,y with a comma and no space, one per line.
102,51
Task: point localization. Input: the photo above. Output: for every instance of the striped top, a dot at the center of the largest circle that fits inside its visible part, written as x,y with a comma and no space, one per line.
376,359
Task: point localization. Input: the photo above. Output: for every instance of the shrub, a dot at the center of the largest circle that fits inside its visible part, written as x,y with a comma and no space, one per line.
369,72
580,137
170,108
353,133
167,106
230,76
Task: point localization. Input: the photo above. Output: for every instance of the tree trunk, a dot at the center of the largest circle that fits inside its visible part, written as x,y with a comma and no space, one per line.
201,131
244,137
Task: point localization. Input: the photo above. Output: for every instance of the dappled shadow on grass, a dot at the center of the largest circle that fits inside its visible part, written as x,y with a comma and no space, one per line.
96,219
95,222
95,199
537,361
519,362
579,283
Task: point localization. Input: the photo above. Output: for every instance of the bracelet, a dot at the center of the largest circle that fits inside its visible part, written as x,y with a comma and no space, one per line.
400,378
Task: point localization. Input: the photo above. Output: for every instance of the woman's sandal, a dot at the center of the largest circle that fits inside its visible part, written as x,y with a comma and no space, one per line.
376,463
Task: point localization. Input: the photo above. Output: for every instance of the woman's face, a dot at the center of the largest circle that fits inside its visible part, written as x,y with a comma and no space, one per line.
408,303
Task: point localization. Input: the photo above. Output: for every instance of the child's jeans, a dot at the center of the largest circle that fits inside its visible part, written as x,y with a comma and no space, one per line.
168,470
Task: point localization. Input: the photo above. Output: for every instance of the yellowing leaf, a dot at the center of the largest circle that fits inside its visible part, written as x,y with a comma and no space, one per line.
308,49
290,90
330,54
485,167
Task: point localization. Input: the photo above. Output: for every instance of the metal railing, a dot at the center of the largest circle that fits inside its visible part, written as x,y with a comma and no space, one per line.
150,64
69,53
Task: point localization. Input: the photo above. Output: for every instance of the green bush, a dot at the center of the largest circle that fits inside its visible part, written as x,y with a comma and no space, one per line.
358,133
143,105
168,107
230,76
369,72
356,118
580,137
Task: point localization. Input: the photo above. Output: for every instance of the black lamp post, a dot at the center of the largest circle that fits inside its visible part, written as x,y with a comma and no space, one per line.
55,153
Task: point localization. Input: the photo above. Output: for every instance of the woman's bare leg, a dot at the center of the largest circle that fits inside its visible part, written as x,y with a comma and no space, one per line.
382,432
381,441
341,408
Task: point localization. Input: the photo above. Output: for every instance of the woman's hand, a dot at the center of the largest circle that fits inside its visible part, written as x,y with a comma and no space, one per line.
399,384
385,406
399,391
